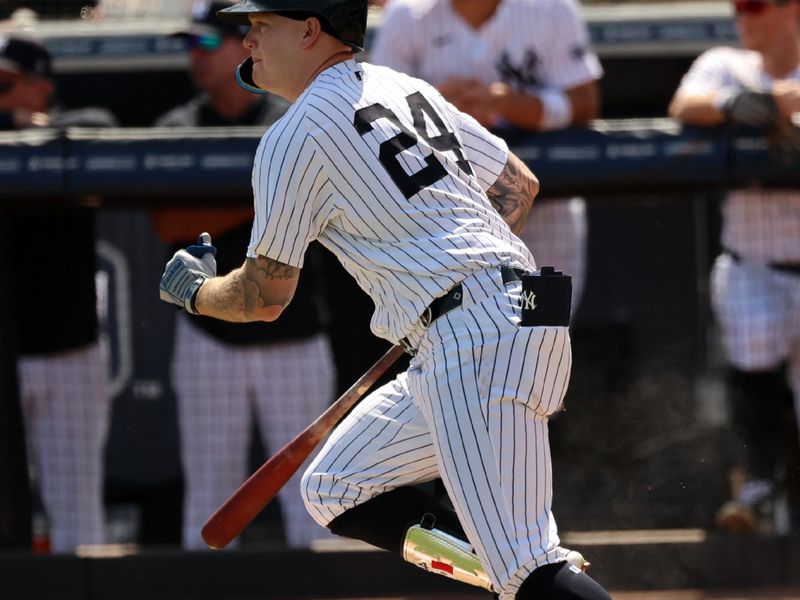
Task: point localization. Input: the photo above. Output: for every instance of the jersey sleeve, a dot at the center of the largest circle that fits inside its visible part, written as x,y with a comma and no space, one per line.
570,59
486,152
394,46
708,74
288,179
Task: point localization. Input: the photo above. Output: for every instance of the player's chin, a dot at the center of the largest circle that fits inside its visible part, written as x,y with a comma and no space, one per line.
260,75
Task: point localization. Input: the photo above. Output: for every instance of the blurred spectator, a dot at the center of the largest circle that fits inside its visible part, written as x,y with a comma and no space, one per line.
45,8
507,63
225,372
755,282
132,9
62,367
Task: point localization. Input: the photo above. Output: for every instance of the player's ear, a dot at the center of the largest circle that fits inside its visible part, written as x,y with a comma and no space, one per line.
313,29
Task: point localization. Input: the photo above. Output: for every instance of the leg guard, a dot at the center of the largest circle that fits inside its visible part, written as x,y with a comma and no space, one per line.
439,552
444,554
392,521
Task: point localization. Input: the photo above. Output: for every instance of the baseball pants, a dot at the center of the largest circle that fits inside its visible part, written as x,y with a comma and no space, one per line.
472,408
221,389
66,408
758,309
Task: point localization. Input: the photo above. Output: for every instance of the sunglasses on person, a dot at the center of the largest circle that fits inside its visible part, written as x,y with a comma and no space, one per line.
754,7
207,41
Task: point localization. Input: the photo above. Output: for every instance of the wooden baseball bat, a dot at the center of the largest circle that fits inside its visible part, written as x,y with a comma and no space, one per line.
253,495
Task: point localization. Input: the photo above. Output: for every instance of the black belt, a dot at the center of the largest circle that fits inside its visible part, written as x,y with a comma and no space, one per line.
793,268
451,300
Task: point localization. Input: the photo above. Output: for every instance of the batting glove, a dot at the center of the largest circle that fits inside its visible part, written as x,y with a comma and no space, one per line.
186,271
751,107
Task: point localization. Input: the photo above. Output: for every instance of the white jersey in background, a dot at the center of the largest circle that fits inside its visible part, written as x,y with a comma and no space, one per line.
761,225
528,44
390,178
755,283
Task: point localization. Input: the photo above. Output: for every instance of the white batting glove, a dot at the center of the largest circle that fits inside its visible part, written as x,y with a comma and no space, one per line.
186,271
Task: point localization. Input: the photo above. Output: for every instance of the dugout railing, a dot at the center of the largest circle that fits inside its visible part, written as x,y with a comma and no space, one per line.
608,157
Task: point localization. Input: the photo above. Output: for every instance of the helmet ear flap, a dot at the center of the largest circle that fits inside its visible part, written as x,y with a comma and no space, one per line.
244,77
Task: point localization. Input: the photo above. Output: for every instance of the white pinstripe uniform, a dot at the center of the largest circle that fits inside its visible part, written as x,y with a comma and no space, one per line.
392,179
66,413
528,44
758,307
216,415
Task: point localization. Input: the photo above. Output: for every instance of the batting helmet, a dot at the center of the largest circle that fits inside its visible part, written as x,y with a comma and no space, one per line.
346,20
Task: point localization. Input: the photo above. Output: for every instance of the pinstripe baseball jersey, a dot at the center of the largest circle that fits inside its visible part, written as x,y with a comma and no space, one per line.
762,225
391,178
528,44
531,45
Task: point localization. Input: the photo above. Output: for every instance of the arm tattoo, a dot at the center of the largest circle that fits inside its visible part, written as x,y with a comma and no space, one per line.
257,292
272,269
513,193
244,291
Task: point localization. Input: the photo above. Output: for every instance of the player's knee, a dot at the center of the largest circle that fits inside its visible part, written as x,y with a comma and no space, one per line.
314,500
382,521
561,581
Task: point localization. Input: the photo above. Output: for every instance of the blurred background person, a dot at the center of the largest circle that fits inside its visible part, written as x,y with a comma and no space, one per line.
135,9
63,367
226,374
755,282
520,63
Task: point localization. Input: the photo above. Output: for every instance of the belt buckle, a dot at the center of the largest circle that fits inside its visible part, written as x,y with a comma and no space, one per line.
406,345
426,317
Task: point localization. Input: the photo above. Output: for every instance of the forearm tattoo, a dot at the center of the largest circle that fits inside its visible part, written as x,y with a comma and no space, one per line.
272,269
513,193
244,291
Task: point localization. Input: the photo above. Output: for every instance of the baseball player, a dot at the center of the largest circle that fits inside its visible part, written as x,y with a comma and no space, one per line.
63,363
419,203
216,414
520,63
755,282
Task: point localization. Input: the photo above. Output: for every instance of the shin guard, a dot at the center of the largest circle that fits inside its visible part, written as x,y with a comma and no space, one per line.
441,553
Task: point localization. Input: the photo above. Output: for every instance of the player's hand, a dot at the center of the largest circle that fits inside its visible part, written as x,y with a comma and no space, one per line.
751,107
186,271
475,98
